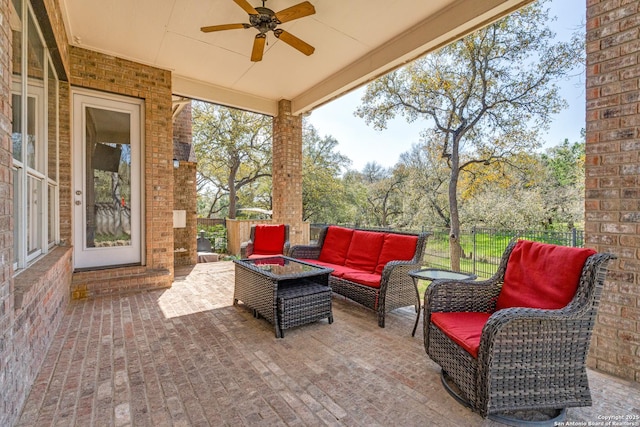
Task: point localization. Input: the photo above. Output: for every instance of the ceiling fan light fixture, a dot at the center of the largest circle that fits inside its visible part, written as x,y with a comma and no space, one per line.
264,20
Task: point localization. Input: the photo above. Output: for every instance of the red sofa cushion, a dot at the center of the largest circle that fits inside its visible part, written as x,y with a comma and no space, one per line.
364,250
268,239
541,275
465,329
362,278
338,270
396,247
336,245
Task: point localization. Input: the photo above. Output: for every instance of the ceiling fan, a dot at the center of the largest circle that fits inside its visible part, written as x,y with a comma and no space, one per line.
264,19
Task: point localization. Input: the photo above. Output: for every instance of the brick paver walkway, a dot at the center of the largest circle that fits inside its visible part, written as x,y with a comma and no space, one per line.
187,357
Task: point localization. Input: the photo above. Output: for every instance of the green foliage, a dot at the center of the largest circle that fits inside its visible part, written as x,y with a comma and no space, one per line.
233,148
325,197
217,235
488,95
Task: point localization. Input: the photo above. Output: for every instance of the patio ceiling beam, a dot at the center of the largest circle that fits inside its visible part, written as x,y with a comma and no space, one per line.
461,18
203,91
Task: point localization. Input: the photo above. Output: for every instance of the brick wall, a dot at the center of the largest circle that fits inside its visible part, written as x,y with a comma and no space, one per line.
287,171
612,186
97,71
64,167
8,405
31,304
184,197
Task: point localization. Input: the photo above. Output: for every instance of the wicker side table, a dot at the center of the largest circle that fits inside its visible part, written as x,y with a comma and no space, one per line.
303,303
432,274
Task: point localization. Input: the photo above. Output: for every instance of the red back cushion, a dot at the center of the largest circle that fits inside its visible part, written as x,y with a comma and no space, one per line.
364,250
396,247
541,275
268,239
336,244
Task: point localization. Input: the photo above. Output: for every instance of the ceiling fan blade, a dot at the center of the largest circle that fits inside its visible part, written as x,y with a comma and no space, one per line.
294,12
246,6
212,28
294,42
258,47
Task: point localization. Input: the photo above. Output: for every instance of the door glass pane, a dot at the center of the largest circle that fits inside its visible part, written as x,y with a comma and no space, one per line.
108,180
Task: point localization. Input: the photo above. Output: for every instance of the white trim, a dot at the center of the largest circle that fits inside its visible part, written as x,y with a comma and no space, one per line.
90,257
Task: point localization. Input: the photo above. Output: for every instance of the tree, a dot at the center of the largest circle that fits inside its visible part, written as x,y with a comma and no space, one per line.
383,194
563,183
426,186
487,95
233,148
324,194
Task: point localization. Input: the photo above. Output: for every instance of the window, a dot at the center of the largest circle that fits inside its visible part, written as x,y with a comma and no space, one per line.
35,140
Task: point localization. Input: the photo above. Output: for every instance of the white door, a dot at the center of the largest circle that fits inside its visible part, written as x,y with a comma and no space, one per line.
107,187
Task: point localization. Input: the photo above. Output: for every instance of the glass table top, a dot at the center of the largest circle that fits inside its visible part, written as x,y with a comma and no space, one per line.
436,273
282,266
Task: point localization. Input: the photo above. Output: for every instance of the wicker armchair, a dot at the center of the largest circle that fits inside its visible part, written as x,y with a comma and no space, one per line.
266,240
526,358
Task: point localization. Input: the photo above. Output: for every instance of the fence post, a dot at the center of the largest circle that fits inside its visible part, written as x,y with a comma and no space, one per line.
574,237
475,252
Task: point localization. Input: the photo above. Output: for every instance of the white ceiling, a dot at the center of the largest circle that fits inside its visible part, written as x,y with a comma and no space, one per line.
355,40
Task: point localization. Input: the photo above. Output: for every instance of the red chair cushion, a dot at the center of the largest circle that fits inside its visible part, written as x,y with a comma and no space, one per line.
362,278
396,247
541,275
465,329
336,244
268,239
364,250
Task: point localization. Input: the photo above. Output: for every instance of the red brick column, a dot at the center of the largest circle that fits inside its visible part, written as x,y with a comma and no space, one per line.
612,166
287,171
184,190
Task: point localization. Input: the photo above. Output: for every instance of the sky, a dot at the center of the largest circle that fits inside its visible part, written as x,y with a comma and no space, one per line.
363,144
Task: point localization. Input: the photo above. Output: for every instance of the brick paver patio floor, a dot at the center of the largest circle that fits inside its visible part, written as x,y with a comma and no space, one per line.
187,357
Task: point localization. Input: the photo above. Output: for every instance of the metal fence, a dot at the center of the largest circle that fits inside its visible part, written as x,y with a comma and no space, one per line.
482,248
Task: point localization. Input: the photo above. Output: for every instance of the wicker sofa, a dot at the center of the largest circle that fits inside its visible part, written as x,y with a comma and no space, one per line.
370,267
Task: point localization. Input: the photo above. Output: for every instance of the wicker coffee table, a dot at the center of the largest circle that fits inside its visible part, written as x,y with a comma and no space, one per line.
283,290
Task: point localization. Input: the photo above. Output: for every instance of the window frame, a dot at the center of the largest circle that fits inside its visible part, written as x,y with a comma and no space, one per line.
36,194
